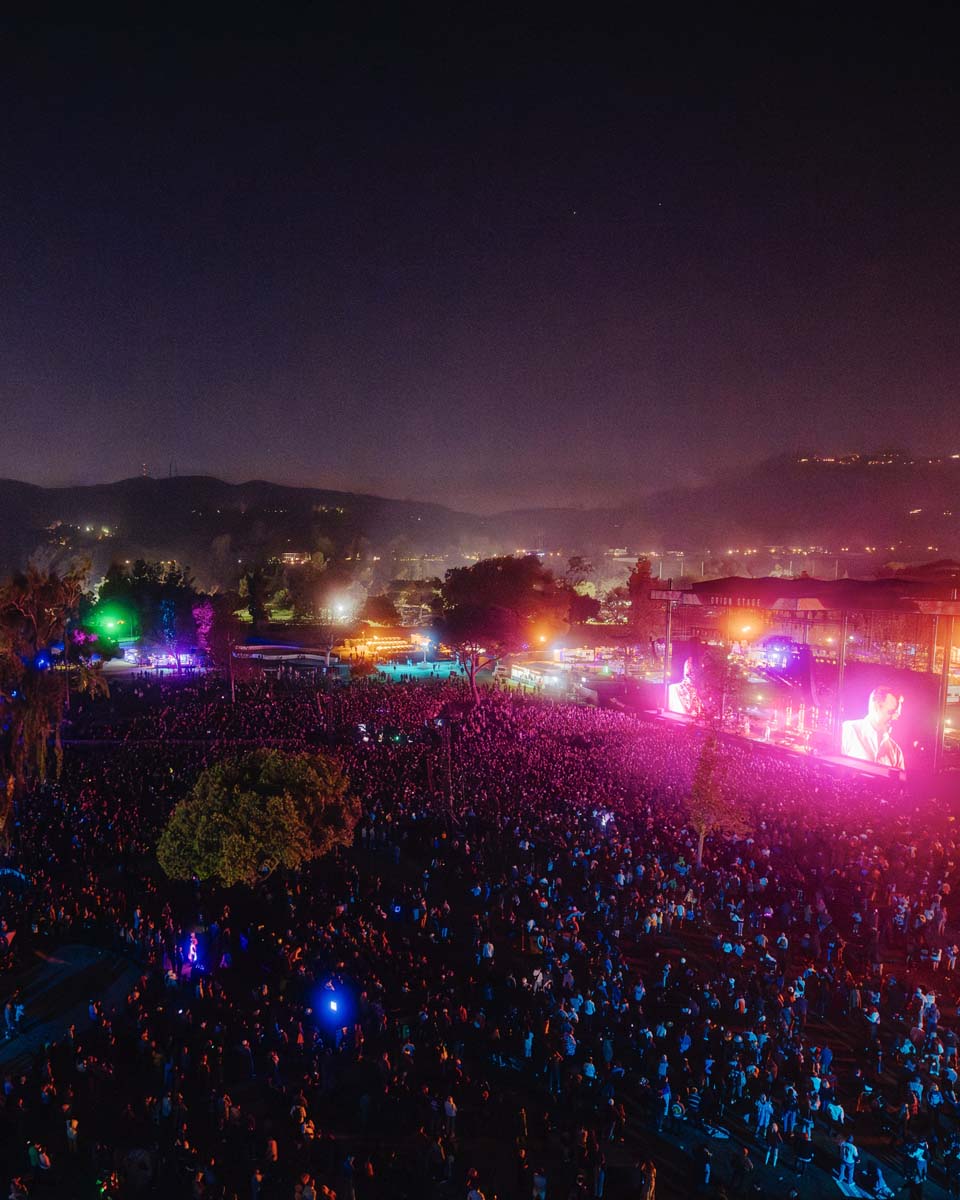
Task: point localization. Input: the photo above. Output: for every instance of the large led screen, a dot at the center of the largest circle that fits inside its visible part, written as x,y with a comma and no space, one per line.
888,718
683,690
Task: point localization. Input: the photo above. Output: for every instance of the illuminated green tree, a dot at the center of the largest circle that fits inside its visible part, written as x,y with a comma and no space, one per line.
248,816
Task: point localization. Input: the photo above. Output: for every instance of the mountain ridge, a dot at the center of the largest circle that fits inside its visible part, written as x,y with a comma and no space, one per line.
908,506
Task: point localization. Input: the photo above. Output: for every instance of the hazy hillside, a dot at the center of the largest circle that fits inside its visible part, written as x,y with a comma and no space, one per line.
781,501
210,524
788,501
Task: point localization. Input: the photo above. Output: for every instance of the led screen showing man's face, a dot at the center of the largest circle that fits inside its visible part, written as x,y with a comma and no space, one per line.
683,696
870,738
889,716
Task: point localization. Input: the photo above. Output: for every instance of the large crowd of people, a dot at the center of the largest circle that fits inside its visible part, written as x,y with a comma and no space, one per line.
519,982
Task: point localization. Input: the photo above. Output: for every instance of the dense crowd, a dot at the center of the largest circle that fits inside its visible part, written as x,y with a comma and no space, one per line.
519,982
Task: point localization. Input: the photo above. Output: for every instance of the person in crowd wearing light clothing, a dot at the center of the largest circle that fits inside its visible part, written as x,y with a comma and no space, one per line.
849,1155
764,1115
835,1116
919,1155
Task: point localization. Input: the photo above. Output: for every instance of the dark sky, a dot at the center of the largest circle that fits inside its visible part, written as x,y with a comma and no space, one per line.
488,266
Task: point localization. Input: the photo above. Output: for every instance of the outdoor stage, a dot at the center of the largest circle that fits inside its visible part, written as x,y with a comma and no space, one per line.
837,761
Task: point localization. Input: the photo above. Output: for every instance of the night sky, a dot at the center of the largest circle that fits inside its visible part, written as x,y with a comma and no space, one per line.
486,266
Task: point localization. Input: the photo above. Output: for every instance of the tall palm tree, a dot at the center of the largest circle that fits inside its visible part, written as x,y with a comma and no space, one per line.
35,609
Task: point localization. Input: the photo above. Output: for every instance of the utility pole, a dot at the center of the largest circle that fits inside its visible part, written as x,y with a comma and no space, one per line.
670,597
946,613
841,670
944,690
668,649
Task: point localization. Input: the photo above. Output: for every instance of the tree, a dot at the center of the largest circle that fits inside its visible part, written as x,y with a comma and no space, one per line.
304,584
203,619
150,600
86,679
35,608
479,636
325,636
178,629
257,586
579,569
116,583
616,606
144,596
523,585
416,599
710,808
248,816
582,608
381,610
498,606
646,614
227,629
